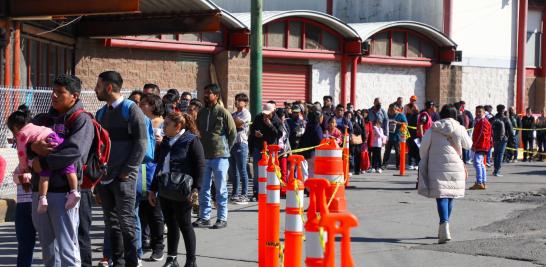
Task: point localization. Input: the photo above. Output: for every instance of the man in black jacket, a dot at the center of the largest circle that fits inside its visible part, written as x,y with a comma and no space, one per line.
266,127
528,124
502,132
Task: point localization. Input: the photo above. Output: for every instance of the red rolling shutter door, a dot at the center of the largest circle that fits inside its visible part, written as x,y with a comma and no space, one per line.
283,83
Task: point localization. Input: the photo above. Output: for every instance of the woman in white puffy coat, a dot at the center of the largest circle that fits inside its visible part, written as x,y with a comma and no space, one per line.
442,173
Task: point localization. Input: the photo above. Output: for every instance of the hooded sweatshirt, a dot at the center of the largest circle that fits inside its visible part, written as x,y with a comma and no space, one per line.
442,172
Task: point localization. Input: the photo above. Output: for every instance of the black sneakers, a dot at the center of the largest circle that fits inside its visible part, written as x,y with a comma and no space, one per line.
201,223
157,255
171,262
219,224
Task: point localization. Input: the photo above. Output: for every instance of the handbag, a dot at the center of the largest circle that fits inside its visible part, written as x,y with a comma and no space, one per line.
356,139
364,160
175,186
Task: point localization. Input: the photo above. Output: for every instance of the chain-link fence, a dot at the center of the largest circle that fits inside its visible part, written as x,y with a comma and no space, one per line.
38,100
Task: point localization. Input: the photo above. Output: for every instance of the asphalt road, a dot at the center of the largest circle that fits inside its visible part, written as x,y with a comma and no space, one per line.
504,225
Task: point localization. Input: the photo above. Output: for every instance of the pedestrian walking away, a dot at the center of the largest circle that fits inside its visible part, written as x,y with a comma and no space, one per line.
442,172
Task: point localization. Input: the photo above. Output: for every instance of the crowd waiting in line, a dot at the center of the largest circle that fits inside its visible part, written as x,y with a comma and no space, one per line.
199,146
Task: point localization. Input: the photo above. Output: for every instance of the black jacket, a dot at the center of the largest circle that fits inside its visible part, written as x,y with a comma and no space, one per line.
187,156
271,133
527,123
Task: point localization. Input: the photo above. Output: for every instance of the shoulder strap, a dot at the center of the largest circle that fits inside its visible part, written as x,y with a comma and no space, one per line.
72,118
100,113
126,108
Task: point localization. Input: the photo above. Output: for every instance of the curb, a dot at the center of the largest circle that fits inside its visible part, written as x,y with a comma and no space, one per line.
7,210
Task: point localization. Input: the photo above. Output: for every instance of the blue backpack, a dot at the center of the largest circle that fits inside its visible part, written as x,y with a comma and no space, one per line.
125,108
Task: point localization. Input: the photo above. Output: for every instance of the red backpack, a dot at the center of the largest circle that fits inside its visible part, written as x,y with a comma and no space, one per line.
96,165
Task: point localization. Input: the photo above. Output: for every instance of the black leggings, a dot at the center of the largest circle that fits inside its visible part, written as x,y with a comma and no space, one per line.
177,216
376,157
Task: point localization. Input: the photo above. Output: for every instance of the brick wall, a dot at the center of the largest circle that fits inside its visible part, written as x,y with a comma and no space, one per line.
535,96
444,84
167,69
233,71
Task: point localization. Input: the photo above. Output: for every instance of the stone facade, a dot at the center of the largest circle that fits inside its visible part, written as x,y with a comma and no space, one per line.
493,86
233,72
167,69
535,96
388,83
444,84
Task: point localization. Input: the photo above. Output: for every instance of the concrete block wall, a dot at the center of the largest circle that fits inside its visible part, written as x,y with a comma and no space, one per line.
325,77
491,86
388,83
167,69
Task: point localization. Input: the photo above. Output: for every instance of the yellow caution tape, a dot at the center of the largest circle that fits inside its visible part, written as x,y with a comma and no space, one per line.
526,151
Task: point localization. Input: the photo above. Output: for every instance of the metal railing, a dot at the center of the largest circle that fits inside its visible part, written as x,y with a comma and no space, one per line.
39,101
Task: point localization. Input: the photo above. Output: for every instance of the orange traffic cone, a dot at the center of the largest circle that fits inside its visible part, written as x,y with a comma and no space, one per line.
273,208
329,165
314,237
262,194
339,223
293,230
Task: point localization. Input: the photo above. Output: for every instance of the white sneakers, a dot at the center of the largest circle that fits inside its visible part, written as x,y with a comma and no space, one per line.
443,233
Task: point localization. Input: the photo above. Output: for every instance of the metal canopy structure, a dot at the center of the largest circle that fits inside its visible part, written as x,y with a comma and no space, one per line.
366,30
106,18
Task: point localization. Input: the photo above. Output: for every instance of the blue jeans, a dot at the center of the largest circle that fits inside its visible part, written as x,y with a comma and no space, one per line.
256,157
237,162
490,156
481,174
218,168
25,232
500,147
444,208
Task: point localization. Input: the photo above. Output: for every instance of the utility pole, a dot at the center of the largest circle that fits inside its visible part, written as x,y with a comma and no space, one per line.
256,57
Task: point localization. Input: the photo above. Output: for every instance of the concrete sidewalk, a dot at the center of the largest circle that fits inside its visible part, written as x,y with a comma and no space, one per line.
500,226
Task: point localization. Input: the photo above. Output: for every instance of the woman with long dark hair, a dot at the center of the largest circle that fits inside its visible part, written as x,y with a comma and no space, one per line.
180,152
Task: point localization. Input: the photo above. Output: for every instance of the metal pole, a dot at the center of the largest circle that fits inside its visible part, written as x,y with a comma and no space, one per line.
256,57
520,70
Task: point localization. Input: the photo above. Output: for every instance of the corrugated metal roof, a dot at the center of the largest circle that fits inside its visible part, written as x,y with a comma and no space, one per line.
239,19
366,30
176,6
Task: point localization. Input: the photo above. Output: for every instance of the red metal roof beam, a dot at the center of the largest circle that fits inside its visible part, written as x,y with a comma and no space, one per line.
49,8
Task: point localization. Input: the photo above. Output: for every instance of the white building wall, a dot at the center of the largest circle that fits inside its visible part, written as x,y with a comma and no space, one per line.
273,5
389,83
485,31
325,80
355,11
488,86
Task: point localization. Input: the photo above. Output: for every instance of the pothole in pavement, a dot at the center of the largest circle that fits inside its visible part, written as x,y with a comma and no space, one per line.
524,231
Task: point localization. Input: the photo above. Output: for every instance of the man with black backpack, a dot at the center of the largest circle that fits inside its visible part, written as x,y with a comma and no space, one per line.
129,139
502,132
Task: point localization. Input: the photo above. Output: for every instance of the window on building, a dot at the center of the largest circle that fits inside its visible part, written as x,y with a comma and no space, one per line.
294,41
534,38
312,36
402,43
398,44
275,34
302,34
381,44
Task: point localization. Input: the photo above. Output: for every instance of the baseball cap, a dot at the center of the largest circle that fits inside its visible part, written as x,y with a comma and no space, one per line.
296,108
413,98
268,108
429,104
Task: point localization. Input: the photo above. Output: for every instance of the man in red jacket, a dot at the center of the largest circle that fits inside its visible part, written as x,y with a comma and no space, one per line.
481,143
